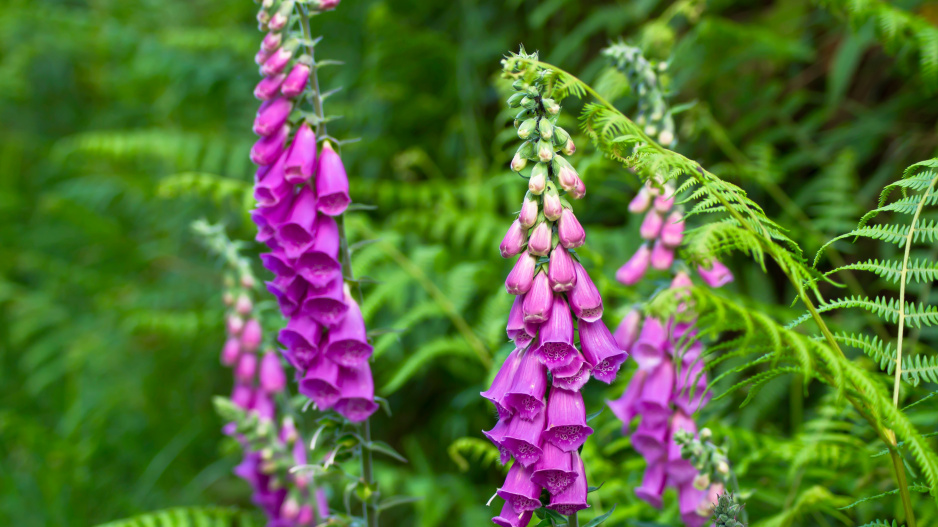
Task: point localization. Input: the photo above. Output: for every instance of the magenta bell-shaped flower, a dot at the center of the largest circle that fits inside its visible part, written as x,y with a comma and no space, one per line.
272,115
329,308
268,87
501,384
271,41
561,275
555,349
273,189
625,407
651,225
297,233
268,148
514,240
574,375
572,499
584,297
277,61
296,81
652,485
554,470
680,470
538,301
525,396
661,256
569,230
656,394
276,262
273,216
230,352
242,395
628,329
649,350
528,215
717,275
246,368
552,206
272,377
523,437
672,233
689,501
301,161
234,324
633,270
650,439
509,518
566,420
285,290
321,382
301,337
347,344
356,393
539,241
641,201
665,200
601,350
497,436
519,491
320,263
579,189
331,182
261,56
251,335
521,277
516,327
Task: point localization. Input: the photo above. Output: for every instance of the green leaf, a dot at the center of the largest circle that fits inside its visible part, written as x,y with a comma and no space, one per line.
600,519
394,501
384,448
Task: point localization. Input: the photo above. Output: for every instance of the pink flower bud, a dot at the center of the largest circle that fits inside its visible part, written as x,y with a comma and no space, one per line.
278,60
579,189
634,269
261,56
272,115
325,5
251,336
301,160
268,87
584,298
539,241
518,163
672,233
528,215
569,148
230,352
537,183
247,367
651,225
628,329
522,275
272,377
227,298
271,41
569,230
296,81
514,240
717,275
235,324
561,274
566,175
552,205
641,201
243,306
278,21
661,256
665,200
538,301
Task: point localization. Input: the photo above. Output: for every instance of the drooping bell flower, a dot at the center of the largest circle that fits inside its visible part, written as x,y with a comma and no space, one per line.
561,275
584,297
502,382
273,189
514,240
522,275
320,383
656,394
566,420
347,344
652,485
566,175
539,241
268,148
298,232
509,518
716,275
519,491
528,215
569,230
525,396
665,200
271,41
625,407
523,437
268,87
650,439
320,263
272,377
279,288
600,350
331,182
572,376
296,81
633,270
641,201
661,256
230,352
554,470
301,161
301,337
679,470
273,216
329,308
651,225
278,60
672,233
628,330
516,328
356,393
552,206
277,262
648,350
272,115
246,368
692,394
689,499
234,324
572,499
242,395
555,347
497,436
538,301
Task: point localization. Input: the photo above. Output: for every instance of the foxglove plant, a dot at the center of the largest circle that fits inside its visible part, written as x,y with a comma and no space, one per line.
536,393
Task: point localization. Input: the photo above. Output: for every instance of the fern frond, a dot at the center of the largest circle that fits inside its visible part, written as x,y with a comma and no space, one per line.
914,486
921,271
881,353
190,517
916,315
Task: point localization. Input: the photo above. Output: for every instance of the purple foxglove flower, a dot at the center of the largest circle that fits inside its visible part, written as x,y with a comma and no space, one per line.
276,262
538,181
572,499
262,55
566,420
301,161
347,344
322,504
566,175
331,182
561,275
528,215
268,148
679,470
268,87
648,350
665,200
271,41
519,491
652,485
273,189
272,115
243,306
694,394
242,395
628,329
641,201
672,233
320,264
497,436
278,21
289,292
656,394
290,509
516,329
356,393
230,352
601,350
554,470
251,335
525,396
538,301
234,324
523,437
689,355
296,81
275,215
321,382
298,232
689,499
514,240
633,270
265,233
278,60
579,189
584,297
501,383
329,308
246,368
521,277
509,518
573,376
539,241
272,377
661,256
650,439
569,230
625,407
552,205
717,275
651,225
555,348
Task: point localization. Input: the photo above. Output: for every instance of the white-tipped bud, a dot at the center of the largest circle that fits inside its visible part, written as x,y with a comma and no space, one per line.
723,467
545,129
702,481
569,148
551,106
518,163
666,137
651,131
705,434
527,128
545,151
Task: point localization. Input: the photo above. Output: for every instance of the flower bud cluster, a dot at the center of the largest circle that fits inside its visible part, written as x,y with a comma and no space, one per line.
536,392
662,228
653,114
300,192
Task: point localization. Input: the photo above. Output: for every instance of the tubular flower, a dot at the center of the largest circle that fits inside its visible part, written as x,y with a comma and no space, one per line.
536,392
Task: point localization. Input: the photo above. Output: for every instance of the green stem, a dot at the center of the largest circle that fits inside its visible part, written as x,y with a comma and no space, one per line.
573,521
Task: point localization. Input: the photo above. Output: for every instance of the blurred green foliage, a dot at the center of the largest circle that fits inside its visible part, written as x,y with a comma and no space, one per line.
124,121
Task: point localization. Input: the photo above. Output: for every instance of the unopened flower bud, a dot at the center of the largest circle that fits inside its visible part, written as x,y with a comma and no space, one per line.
723,467
290,508
579,189
705,434
641,201
243,306
251,336
566,174
528,216
227,298
551,106
528,102
538,182
560,136
527,128
267,4
552,206
651,225
263,17
271,42
326,5
515,100
545,129
539,242
514,240
247,281
545,151
569,147
518,163
666,137
702,481
235,324
569,230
